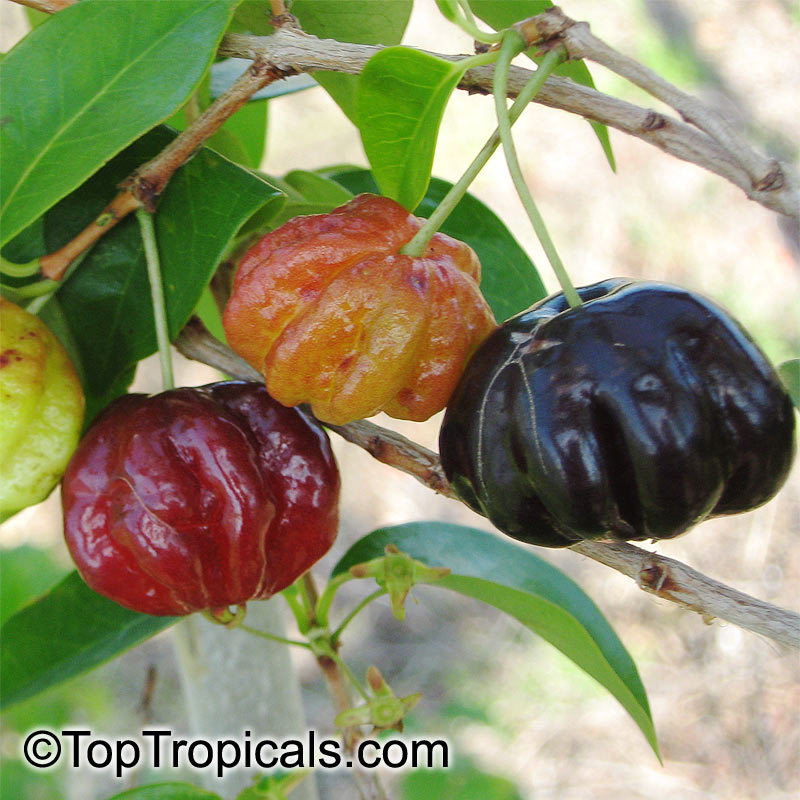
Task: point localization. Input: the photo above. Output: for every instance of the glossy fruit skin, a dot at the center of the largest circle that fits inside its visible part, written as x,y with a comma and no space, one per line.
632,417
199,498
333,315
43,406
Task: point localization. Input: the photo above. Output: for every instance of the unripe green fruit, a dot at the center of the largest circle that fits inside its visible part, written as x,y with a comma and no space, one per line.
42,403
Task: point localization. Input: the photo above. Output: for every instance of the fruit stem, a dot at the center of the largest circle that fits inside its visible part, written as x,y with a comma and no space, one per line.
310,596
157,294
459,13
513,44
19,270
34,296
30,290
417,246
272,637
323,605
291,594
336,635
348,673
478,60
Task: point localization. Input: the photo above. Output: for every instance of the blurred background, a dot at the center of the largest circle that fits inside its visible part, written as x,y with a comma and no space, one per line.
726,703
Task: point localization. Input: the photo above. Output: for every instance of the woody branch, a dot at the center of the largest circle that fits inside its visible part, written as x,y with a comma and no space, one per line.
659,575
704,138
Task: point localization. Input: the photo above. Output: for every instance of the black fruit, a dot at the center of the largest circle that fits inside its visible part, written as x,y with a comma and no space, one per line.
632,417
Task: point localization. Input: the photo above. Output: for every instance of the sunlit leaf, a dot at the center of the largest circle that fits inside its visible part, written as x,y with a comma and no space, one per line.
512,578
503,13
789,372
105,303
401,97
167,791
68,631
81,87
358,21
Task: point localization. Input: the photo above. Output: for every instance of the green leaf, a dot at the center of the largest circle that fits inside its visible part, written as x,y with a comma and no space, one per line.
316,188
358,21
402,94
461,782
307,193
80,88
36,18
18,780
208,311
449,9
53,316
249,126
789,373
27,245
27,572
202,208
511,578
504,13
275,785
167,791
68,631
510,282
243,136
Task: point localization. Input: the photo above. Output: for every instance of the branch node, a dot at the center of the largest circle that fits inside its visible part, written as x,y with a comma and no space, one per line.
667,578
548,25
145,190
774,179
656,578
263,69
653,122
285,20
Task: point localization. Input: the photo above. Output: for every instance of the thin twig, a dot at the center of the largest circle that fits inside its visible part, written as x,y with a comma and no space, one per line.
47,6
55,264
665,577
577,38
293,49
675,581
156,282
145,185
150,179
713,145
332,668
278,7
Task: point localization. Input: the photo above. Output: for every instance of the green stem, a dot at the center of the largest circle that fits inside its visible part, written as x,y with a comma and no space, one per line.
416,247
272,637
38,303
308,593
291,595
19,270
41,291
513,43
326,598
35,289
336,635
157,294
469,16
466,21
479,60
348,673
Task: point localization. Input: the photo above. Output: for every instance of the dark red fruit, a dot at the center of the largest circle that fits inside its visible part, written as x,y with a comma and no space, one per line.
199,498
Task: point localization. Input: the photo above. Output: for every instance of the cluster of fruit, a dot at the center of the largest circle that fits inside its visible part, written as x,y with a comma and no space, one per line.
632,416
